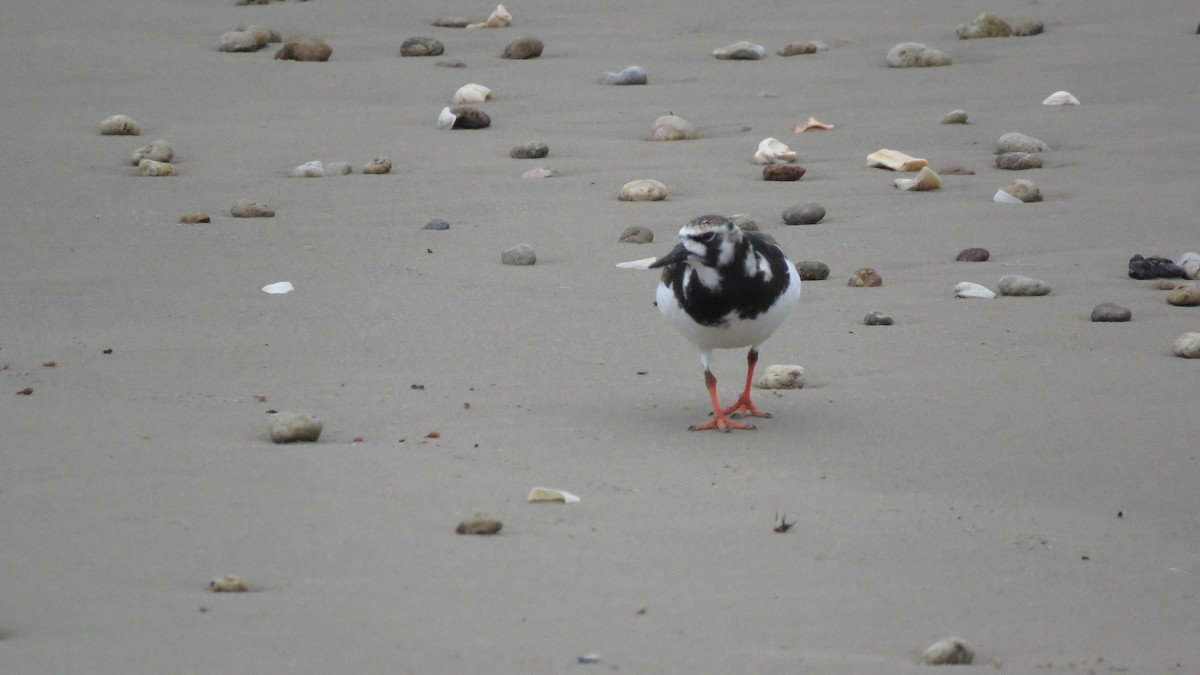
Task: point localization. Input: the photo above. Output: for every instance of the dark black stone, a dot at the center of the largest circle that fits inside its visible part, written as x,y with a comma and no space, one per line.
973,255
436,224
1154,267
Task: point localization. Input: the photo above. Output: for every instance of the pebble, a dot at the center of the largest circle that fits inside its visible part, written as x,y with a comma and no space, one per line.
1185,296
451,22
1016,284
1017,142
1018,161
471,93
955,117
521,254
466,117
809,213
740,51
744,221
306,49
228,583
244,208
193,218
782,377
1029,27
436,224
238,41
782,172
120,125
798,48
812,270
295,428
523,48
377,166
535,150
149,167
479,525
1162,285
636,234
1190,264
422,46
973,255
916,55
643,190
1023,190
877,318
864,278
986,25
1187,346
451,64
631,75
541,172
338,169
956,170
159,151
673,128
313,169
952,651
1109,312
1154,267
968,289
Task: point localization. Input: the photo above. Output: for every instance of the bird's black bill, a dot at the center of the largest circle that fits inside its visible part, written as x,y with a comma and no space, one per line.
677,255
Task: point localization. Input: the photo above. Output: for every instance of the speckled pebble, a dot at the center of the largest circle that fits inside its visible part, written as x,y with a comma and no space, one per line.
643,190
1185,296
119,125
782,377
436,224
533,150
1109,312
1018,161
193,218
744,221
812,270
1024,190
1018,285
973,255
1018,142
377,166
244,208
955,117
466,117
782,172
422,46
950,651
523,48
877,318
865,278
306,49
740,51
636,234
1187,346
521,254
295,428
451,22
673,128
809,213
916,55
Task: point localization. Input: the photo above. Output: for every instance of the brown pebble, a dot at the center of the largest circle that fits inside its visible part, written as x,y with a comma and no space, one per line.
451,64
812,270
1185,296
479,526
27,391
49,364
244,208
523,48
782,172
796,48
433,434
636,234
193,218
306,49
973,255
955,170
865,277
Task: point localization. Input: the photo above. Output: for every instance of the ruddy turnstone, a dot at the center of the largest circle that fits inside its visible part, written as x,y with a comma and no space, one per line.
725,288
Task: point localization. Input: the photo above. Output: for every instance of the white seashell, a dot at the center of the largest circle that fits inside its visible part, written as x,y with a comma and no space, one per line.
313,169
541,172
541,494
643,264
772,151
472,93
1190,262
894,160
499,19
1061,98
446,119
926,179
968,289
228,583
1002,197
279,288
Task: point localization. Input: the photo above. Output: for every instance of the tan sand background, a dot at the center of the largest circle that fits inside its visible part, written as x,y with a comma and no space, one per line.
959,473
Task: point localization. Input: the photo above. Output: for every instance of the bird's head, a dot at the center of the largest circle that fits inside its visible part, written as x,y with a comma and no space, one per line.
708,241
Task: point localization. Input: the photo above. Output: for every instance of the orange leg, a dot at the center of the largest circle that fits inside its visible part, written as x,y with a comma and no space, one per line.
743,405
719,421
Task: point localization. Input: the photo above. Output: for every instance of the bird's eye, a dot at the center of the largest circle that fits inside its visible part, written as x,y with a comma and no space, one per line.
706,237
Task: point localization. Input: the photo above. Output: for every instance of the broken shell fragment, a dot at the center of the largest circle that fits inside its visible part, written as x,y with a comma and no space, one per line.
772,151
541,172
500,18
812,123
1002,197
643,264
894,160
119,125
1061,98
926,179
446,119
631,75
967,289
472,93
313,169
159,151
379,165
228,583
643,190
541,494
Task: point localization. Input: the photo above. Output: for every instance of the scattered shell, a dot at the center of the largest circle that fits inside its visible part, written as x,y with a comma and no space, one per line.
1016,284
541,494
149,167
471,93
279,288
783,172
1061,98
1002,197
466,117
120,125
1190,264
864,278
1018,142
967,289
521,254
377,166
534,150
1023,190
916,55
244,208
338,169
313,169
797,48
295,428
812,123
985,25
812,270
436,224
238,41
782,377
895,160
523,48
1018,161
877,318
808,213
643,190
926,179
1185,296
1029,27
636,234
1109,312
1187,346
631,75
500,18
772,151
950,651
422,46
193,218
740,51
480,524
673,128
955,117
228,583
446,119
541,172
306,49
973,255
159,151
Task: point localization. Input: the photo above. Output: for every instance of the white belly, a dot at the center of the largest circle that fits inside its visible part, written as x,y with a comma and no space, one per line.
734,332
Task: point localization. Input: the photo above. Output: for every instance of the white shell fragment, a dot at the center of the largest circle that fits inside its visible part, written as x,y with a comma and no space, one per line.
1002,197
541,494
500,18
446,119
773,151
894,160
967,289
279,288
782,377
926,179
1190,263
1061,98
541,172
228,583
472,93
948,652
313,169
643,264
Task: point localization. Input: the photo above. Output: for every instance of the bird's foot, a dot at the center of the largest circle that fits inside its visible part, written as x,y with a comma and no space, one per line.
721,423
744,407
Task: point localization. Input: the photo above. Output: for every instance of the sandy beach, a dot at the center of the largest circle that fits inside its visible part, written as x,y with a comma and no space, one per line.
1005,471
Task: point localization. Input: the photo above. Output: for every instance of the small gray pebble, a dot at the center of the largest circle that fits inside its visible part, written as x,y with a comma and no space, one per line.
293,428
955,117
1016,284
422,46
812,270
809,213
877,318
1107,311
523,48
948,652
744,222
1018,161
533,150
521,254
436,224
973,255
1018,142
451,64
636,234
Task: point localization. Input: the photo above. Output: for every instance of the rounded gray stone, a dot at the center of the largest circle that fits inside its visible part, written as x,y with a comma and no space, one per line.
436,224
533,150
1018,142
877,318
973,255
1016,284
1108,311
521,254
809,213
636,234
812,270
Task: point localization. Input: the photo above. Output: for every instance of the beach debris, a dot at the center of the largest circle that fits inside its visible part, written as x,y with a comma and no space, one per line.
193,218
1190,264
1014,141
279,288
798,48
812,270
973,255
808,213
422,46
313,169
1162,285
532,150
1109,312
955,117
228,583
499,18
782,377
1017,284
541,494
968,289
671,127
1002,197
956,170
450,64
952,651
119,125
643,190
636,234
479,524
541,172
1187,346
1018,161
926,179
773,151
471,93
244,208
640,264
781,523
446,119
740,51
304,49
436,224
783,172
986,25
812,123
1185,296
377,166
1154,267
877,318
289,427
631,75
1023,190
866,277
520,254
149,167
523,48
1061,98
916,55
159,151
593,657
895,160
